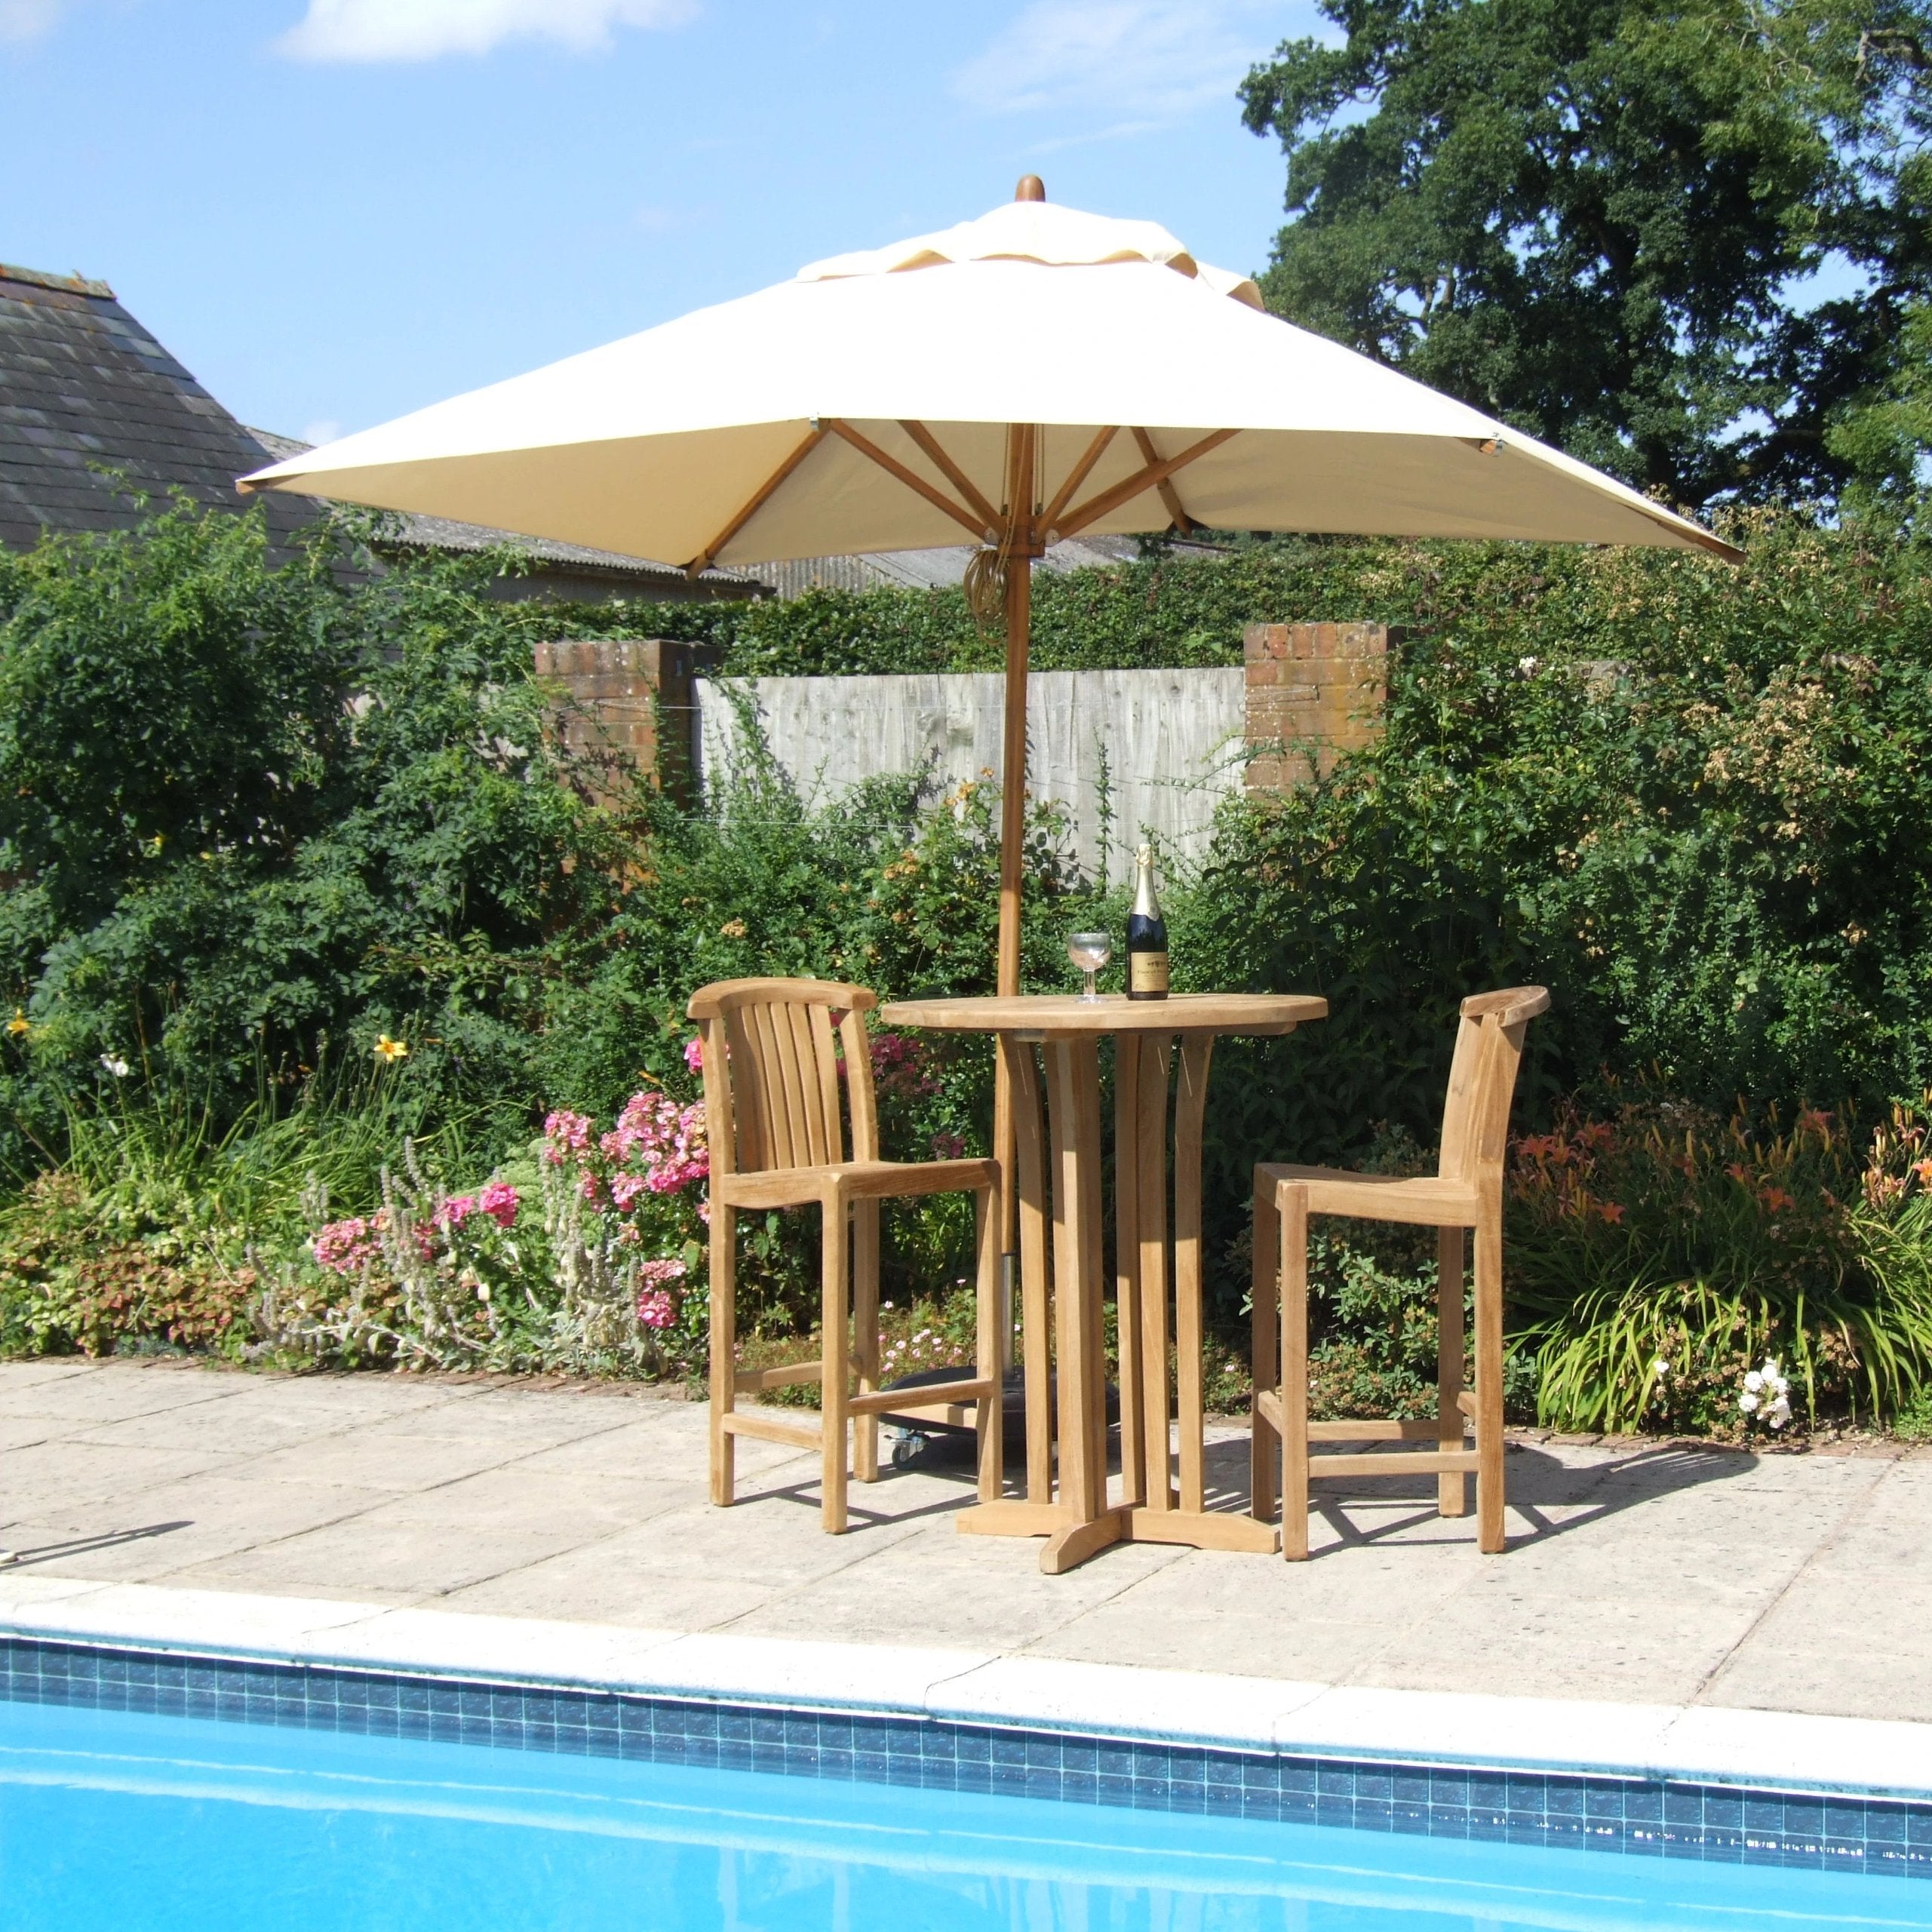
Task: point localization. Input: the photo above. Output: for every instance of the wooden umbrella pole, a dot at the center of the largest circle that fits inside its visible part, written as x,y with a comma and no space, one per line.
1020,544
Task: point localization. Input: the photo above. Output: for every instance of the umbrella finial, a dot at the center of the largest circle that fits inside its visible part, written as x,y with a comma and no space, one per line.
1031,189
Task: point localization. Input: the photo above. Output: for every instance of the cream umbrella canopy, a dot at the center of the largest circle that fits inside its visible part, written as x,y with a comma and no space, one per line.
1033,375
1030,376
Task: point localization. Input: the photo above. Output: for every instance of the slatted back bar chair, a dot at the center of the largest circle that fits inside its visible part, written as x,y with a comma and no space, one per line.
1466,1192
773,1072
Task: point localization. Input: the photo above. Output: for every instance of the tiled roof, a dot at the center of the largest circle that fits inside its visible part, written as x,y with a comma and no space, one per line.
82,384
443,534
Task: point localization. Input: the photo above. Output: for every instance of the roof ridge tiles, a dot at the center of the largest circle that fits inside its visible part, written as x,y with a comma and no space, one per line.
76,284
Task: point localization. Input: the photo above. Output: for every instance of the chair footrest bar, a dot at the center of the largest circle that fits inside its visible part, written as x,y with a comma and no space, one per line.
1406,1462
1267,1406
750,1381
1428,1429
878,1401
769,1429
1465,1401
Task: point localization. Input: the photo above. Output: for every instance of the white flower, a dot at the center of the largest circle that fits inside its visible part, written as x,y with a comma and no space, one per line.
1779,1413
1527,665
115,1065
1747,1401
1660,1368
1754,1381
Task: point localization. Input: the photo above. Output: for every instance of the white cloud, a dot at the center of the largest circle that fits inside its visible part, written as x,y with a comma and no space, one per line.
23,20
1142,59
374,30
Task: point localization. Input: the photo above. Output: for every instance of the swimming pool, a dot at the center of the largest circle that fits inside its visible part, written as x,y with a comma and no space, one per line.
114,1819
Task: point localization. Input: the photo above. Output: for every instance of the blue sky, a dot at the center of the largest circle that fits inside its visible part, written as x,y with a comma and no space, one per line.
335,211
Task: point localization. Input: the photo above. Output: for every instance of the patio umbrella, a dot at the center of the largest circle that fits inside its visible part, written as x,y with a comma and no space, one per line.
1035,374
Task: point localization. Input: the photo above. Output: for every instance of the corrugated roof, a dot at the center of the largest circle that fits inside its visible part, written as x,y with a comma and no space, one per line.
84,387
942,569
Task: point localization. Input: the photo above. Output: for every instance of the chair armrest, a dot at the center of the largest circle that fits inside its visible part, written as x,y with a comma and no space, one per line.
852,1180
893,1179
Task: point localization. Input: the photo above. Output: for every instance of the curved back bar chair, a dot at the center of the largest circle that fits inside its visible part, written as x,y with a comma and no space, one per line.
1465,1192
773,1069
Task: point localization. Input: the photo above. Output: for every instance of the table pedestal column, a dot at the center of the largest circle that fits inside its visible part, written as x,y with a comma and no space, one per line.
1075,1515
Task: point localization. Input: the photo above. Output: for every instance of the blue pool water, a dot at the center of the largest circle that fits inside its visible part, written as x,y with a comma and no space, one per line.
108,1820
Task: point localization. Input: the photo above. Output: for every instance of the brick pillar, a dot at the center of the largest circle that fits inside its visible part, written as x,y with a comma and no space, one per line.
618,694
1315,693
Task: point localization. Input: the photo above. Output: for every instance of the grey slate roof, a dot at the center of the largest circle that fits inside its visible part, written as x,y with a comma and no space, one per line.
82,382
85,388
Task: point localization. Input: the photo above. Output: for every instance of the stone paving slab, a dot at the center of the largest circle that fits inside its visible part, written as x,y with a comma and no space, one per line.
1657,1576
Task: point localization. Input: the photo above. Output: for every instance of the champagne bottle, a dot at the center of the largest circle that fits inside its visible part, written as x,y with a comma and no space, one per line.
1146,937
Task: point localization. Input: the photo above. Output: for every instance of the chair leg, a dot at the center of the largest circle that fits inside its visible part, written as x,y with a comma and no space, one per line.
835,1268
1490,1536
990,1356
1264,1355
1451,1486
723,1350
865,1333
1294,1373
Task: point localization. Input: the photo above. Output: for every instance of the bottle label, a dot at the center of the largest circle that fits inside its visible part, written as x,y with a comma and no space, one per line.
1147,972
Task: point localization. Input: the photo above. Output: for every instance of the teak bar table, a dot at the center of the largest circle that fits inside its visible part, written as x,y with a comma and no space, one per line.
1079,1519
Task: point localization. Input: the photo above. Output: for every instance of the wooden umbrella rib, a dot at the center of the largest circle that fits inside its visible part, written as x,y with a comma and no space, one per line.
953,474
893,467
1170,497
1077,475
707,557
1153,474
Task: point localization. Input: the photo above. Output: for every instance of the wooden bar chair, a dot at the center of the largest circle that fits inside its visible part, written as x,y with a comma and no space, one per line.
772,1081
1465,1192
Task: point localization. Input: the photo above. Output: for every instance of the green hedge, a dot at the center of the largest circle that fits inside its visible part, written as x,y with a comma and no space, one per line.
1691,799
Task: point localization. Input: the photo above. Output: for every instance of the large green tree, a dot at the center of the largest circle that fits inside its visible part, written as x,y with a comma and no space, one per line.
1684,239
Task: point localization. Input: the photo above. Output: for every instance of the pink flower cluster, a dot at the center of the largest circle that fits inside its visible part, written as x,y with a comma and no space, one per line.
657,1307
566,1134
694,1055
498,1200
661,1144
346,1247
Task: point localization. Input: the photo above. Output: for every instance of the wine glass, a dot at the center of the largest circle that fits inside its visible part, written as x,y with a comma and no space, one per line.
1089,951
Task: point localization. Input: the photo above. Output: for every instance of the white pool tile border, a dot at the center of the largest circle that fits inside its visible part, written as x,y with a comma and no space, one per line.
1782,1750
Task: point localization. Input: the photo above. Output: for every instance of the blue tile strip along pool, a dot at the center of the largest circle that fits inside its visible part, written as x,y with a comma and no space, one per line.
1663,1818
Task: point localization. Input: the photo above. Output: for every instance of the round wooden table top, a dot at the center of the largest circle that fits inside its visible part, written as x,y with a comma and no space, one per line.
1040,1014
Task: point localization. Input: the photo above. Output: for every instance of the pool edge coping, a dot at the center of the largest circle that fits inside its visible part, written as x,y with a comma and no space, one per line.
1759,1750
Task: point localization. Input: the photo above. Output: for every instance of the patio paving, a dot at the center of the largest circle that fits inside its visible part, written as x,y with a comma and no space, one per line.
1666,1575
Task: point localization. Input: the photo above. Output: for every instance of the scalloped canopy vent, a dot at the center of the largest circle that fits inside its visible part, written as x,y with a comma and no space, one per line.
1041,232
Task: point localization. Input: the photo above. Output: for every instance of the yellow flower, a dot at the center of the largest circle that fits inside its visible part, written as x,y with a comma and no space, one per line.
387,1049
732,928
17,1025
